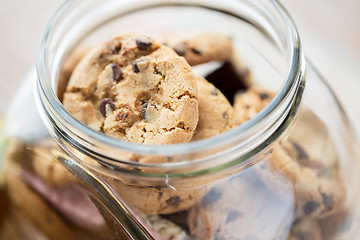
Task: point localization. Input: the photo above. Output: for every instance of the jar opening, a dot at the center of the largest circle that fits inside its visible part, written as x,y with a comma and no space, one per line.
248,138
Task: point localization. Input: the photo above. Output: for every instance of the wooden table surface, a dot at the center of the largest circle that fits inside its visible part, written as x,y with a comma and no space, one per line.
330,31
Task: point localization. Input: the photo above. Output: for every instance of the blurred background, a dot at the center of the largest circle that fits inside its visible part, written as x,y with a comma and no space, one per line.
329,29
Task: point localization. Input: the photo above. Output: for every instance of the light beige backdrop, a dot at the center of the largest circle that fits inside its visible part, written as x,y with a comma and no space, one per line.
330,31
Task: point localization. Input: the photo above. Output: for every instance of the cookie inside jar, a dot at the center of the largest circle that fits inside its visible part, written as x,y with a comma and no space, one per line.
227,95
178,90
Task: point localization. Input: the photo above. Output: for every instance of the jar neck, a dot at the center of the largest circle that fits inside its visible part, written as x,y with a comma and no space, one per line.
196,158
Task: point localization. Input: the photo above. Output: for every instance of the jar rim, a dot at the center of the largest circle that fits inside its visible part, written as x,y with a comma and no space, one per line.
91,138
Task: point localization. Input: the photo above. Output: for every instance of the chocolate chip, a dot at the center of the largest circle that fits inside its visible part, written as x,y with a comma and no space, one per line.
328,201
211,197
103,106
264,96
117,73
196,51
225,115
301,154
148,112
310,207
233,215
160,194
214,92
136,67
174,201
181,48
115,49
142,42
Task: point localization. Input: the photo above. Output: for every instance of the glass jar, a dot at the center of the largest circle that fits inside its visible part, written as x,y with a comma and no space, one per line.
290,172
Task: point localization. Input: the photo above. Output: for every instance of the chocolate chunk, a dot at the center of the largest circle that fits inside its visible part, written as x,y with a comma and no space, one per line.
174,201
115,49
310,207
263,96
214,92
136,65
117,73
148,112
142,42
301,154
211,197
103,106
328,201
196,51
233,215
227,80
181,48
160,194
225,115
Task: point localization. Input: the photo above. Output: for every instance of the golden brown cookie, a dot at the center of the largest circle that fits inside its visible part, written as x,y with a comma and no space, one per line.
318,151
316,196
303,164
216,115
135,89
201,48
238,209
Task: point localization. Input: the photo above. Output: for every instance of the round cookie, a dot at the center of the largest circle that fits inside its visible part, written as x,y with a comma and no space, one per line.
316,196
296,167
216,115
135,89
238,209
318,151
250,102
201,48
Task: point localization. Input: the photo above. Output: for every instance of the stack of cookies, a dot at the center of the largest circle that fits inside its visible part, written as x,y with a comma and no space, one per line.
139,90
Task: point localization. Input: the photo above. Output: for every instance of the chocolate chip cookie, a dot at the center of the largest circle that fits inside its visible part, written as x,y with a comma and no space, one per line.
316,196
201,48
239,209
135,89
216,115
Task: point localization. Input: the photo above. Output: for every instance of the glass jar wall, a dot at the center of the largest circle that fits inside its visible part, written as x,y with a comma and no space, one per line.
289,172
